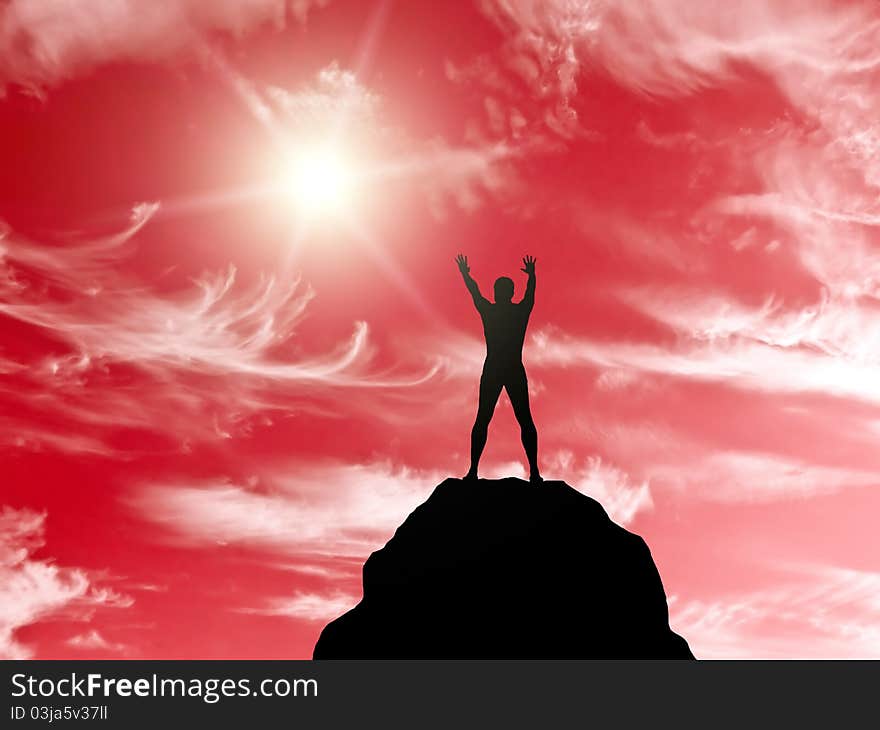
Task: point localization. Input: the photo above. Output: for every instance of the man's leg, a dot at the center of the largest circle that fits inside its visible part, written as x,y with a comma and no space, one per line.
518,389
490,389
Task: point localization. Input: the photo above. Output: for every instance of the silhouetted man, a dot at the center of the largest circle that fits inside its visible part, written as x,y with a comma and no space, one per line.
504,324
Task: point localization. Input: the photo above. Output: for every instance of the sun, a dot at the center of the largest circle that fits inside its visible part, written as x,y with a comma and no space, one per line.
319,180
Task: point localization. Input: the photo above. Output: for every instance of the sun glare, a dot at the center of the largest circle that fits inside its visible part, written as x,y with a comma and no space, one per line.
319,181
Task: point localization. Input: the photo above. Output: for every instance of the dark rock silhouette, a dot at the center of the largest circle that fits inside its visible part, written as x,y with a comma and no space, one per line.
507,569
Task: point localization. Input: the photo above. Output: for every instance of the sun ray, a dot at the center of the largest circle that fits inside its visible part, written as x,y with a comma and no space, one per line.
393,273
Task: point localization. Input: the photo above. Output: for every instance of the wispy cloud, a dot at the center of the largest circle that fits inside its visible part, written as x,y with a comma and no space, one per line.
813,612
335,99
672,48
331,509
338,510
732,476
738,362
107,324
831,346
816,181
92,640
32,589
45,41
320,607
621,496
213,328
812,169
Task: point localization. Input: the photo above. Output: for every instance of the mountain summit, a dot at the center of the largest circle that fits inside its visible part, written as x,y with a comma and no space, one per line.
507,569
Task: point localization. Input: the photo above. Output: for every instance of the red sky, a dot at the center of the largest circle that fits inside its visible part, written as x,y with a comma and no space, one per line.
217,397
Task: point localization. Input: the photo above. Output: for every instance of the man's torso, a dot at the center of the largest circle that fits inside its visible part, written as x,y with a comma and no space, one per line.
505,328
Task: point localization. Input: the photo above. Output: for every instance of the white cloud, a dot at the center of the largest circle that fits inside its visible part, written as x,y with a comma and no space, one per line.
672,47
464,176
820,612
308,606
502,470
340,510
613,488
828,222
93,640
213,328
737,476
32,589
45,438
178,341
818,178
739,362
333,509
334,99
821,185
45,41
832,346
837,327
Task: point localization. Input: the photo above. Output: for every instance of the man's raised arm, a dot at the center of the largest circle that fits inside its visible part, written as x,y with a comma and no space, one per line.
529,267
473,288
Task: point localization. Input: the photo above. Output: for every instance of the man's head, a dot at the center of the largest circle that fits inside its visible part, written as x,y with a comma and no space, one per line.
503,290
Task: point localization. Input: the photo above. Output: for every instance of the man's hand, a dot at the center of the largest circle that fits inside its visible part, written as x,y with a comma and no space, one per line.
462,262
529,264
